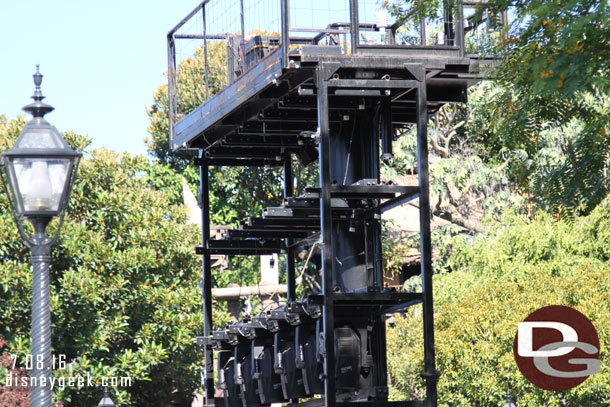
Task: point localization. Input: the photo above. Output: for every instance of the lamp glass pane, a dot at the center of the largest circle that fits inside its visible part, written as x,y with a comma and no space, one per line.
40,136
41,182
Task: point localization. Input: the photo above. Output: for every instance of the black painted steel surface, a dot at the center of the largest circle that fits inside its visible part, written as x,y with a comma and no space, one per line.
320,105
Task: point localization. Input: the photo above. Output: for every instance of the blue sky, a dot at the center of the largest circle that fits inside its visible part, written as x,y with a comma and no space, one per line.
101,62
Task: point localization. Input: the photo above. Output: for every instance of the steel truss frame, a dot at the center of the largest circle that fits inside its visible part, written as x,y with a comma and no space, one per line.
285,105
430,374
331,301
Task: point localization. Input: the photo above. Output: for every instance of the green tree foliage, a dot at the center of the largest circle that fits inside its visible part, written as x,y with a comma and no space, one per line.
497,281
470,183
190,87
556,62
552,77
236,192
124,295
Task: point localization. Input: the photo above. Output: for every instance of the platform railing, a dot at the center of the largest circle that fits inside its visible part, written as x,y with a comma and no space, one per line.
228,37
214,37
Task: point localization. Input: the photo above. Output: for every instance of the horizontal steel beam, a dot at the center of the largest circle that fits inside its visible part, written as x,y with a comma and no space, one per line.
365,191
243,247
410,403
373,83
266,234
239,162
370,299
233,293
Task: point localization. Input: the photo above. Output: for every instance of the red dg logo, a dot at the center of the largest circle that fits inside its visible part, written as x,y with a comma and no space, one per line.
556,348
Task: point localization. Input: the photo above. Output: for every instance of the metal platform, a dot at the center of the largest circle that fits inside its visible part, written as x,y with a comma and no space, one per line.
278,102
265,90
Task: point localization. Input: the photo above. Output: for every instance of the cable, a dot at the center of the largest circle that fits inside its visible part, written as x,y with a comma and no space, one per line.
306,263
349,150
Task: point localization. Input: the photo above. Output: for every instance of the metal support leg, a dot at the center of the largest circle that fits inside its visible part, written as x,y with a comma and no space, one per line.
326,234
380,122
206,279
41,395
290,271
430,374
386,128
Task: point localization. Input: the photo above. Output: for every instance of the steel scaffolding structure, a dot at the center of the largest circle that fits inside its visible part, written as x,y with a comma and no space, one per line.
318,99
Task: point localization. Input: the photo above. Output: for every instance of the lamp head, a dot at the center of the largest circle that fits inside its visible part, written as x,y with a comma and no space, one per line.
106,401
509,400
41,166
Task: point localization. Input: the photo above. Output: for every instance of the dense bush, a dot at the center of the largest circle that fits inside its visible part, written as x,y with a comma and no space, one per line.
124,294
497,281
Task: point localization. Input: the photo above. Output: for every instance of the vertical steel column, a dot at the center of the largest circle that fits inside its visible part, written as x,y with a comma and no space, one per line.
354,25
290,271
430,374
285,10
41,395
205,54
206,279
387,133
326,234
381,120
383,134
242,43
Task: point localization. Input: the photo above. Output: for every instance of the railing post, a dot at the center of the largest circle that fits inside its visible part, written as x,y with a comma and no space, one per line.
285,9
205,54
171,86
447,27
354,25
242,43
459,27
422,32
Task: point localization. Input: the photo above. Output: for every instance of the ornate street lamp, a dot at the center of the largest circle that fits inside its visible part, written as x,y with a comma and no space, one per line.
37,176
509,400
106,401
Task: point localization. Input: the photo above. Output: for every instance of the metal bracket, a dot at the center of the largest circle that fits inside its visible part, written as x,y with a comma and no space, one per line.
417,70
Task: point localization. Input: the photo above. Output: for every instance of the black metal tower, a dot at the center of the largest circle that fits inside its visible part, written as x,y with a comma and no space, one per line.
339,107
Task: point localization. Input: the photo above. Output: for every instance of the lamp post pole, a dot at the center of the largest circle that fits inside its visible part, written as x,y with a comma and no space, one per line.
509,400
41,318
38,173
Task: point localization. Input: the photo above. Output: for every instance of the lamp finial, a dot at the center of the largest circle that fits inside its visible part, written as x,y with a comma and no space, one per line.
38,108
